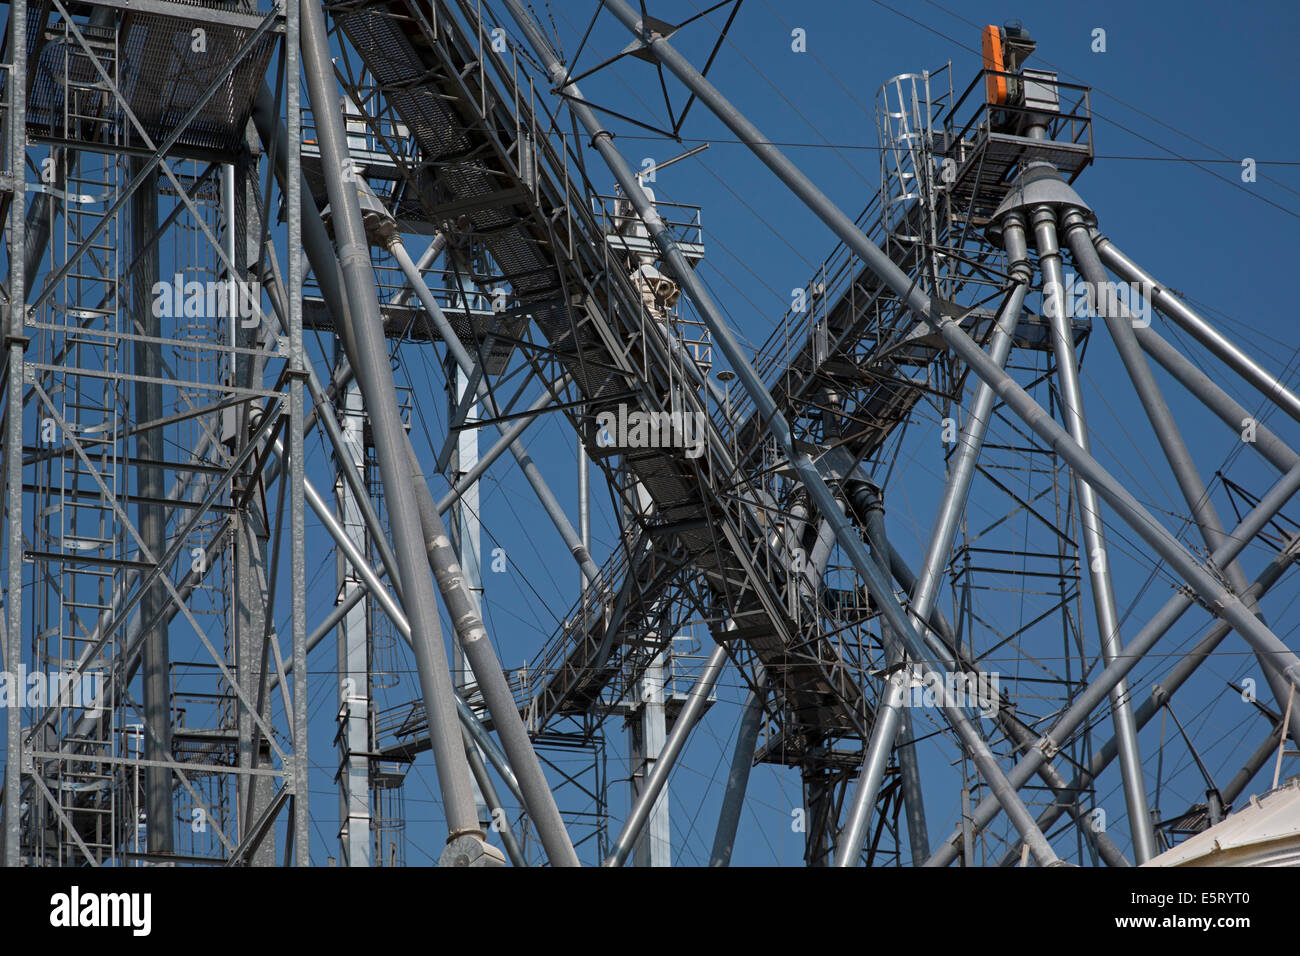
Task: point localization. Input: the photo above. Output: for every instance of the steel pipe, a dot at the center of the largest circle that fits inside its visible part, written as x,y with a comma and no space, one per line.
468,624
1103,756
1229,410
375,376
1096,552
971,439
1191,322
658,777
500,824
1206,517
1092,695
888,719
870,507
742,761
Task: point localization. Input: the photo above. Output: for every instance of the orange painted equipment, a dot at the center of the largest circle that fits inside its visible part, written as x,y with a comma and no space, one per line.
995,87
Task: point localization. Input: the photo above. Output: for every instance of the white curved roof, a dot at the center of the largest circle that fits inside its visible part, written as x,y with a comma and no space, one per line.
1266,832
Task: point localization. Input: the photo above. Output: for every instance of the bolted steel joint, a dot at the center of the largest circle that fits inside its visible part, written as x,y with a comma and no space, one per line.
470,849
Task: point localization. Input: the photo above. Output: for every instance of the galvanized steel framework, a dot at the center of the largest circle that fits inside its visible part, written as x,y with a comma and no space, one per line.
156,486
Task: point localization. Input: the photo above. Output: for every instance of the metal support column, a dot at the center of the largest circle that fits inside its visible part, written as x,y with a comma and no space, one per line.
869,506
391,445
889,713
1204,514
294,36
658,776
466,541
971,439
482,659
466,529
1094,532
742,761
250,532
1200,329
353,651
584,510
151,516
649,734
909,765
14,343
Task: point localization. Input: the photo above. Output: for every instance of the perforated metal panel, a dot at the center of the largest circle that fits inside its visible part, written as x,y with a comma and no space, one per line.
159,75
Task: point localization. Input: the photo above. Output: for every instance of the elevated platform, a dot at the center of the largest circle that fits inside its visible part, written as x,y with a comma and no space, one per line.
476,328
991,143
546,241
149,55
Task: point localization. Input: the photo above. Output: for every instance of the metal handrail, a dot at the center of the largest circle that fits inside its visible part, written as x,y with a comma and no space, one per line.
1080,122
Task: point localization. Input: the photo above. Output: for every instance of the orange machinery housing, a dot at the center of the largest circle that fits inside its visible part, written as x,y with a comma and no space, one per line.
995,87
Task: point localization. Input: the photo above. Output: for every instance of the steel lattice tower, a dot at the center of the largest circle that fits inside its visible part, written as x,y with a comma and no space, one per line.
211,319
